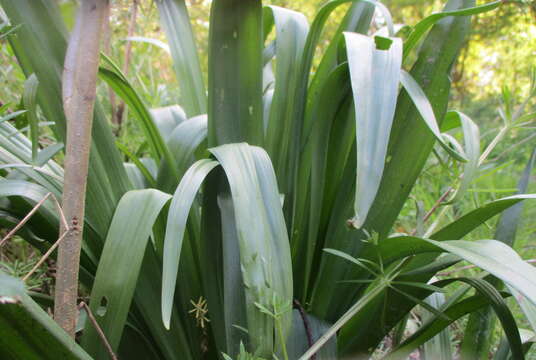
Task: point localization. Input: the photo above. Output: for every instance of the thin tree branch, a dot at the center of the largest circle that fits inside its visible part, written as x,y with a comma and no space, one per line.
98,329
24,220
79,91
45,256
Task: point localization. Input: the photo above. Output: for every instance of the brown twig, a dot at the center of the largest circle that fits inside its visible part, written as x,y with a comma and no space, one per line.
448,273
306,325
24,220
45,256
434,208
98,329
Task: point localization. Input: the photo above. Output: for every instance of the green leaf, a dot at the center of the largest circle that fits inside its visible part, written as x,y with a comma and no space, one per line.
481,324
375,76
40,47
167,119
284,123
306,329
176,23
176,225
30,104
420,29
427,113
184,142
118,82
235,111
438,347
263,244
48,153
119,266
471,136
144,171
488,295
470,221
28,332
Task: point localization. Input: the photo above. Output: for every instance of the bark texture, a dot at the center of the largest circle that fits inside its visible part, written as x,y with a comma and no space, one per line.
79,90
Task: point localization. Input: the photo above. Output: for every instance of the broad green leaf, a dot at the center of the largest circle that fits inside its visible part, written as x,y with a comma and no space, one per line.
176,226
176,23
235,111
119,266
375,74
431,70
284,124
263,244
28,332
167,119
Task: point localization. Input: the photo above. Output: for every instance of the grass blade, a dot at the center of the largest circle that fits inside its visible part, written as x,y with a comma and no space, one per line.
176,23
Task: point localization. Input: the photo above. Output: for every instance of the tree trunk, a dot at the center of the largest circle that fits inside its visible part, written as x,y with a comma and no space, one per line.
79,91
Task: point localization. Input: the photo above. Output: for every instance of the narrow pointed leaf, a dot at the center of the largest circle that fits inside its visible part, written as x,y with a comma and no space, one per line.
176,23
176,226
427,113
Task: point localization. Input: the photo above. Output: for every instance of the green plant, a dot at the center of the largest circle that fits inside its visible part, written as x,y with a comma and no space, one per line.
280,177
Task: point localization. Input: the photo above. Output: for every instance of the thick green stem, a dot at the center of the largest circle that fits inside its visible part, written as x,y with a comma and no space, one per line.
79,89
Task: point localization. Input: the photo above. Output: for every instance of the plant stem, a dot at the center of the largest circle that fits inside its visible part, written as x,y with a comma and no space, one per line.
79,91
281,337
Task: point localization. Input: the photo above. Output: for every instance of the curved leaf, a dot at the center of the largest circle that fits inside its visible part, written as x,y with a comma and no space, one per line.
176,226
119,266
374,73
263,244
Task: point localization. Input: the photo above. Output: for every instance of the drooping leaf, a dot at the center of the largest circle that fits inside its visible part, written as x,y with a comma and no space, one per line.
176,226
375,74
